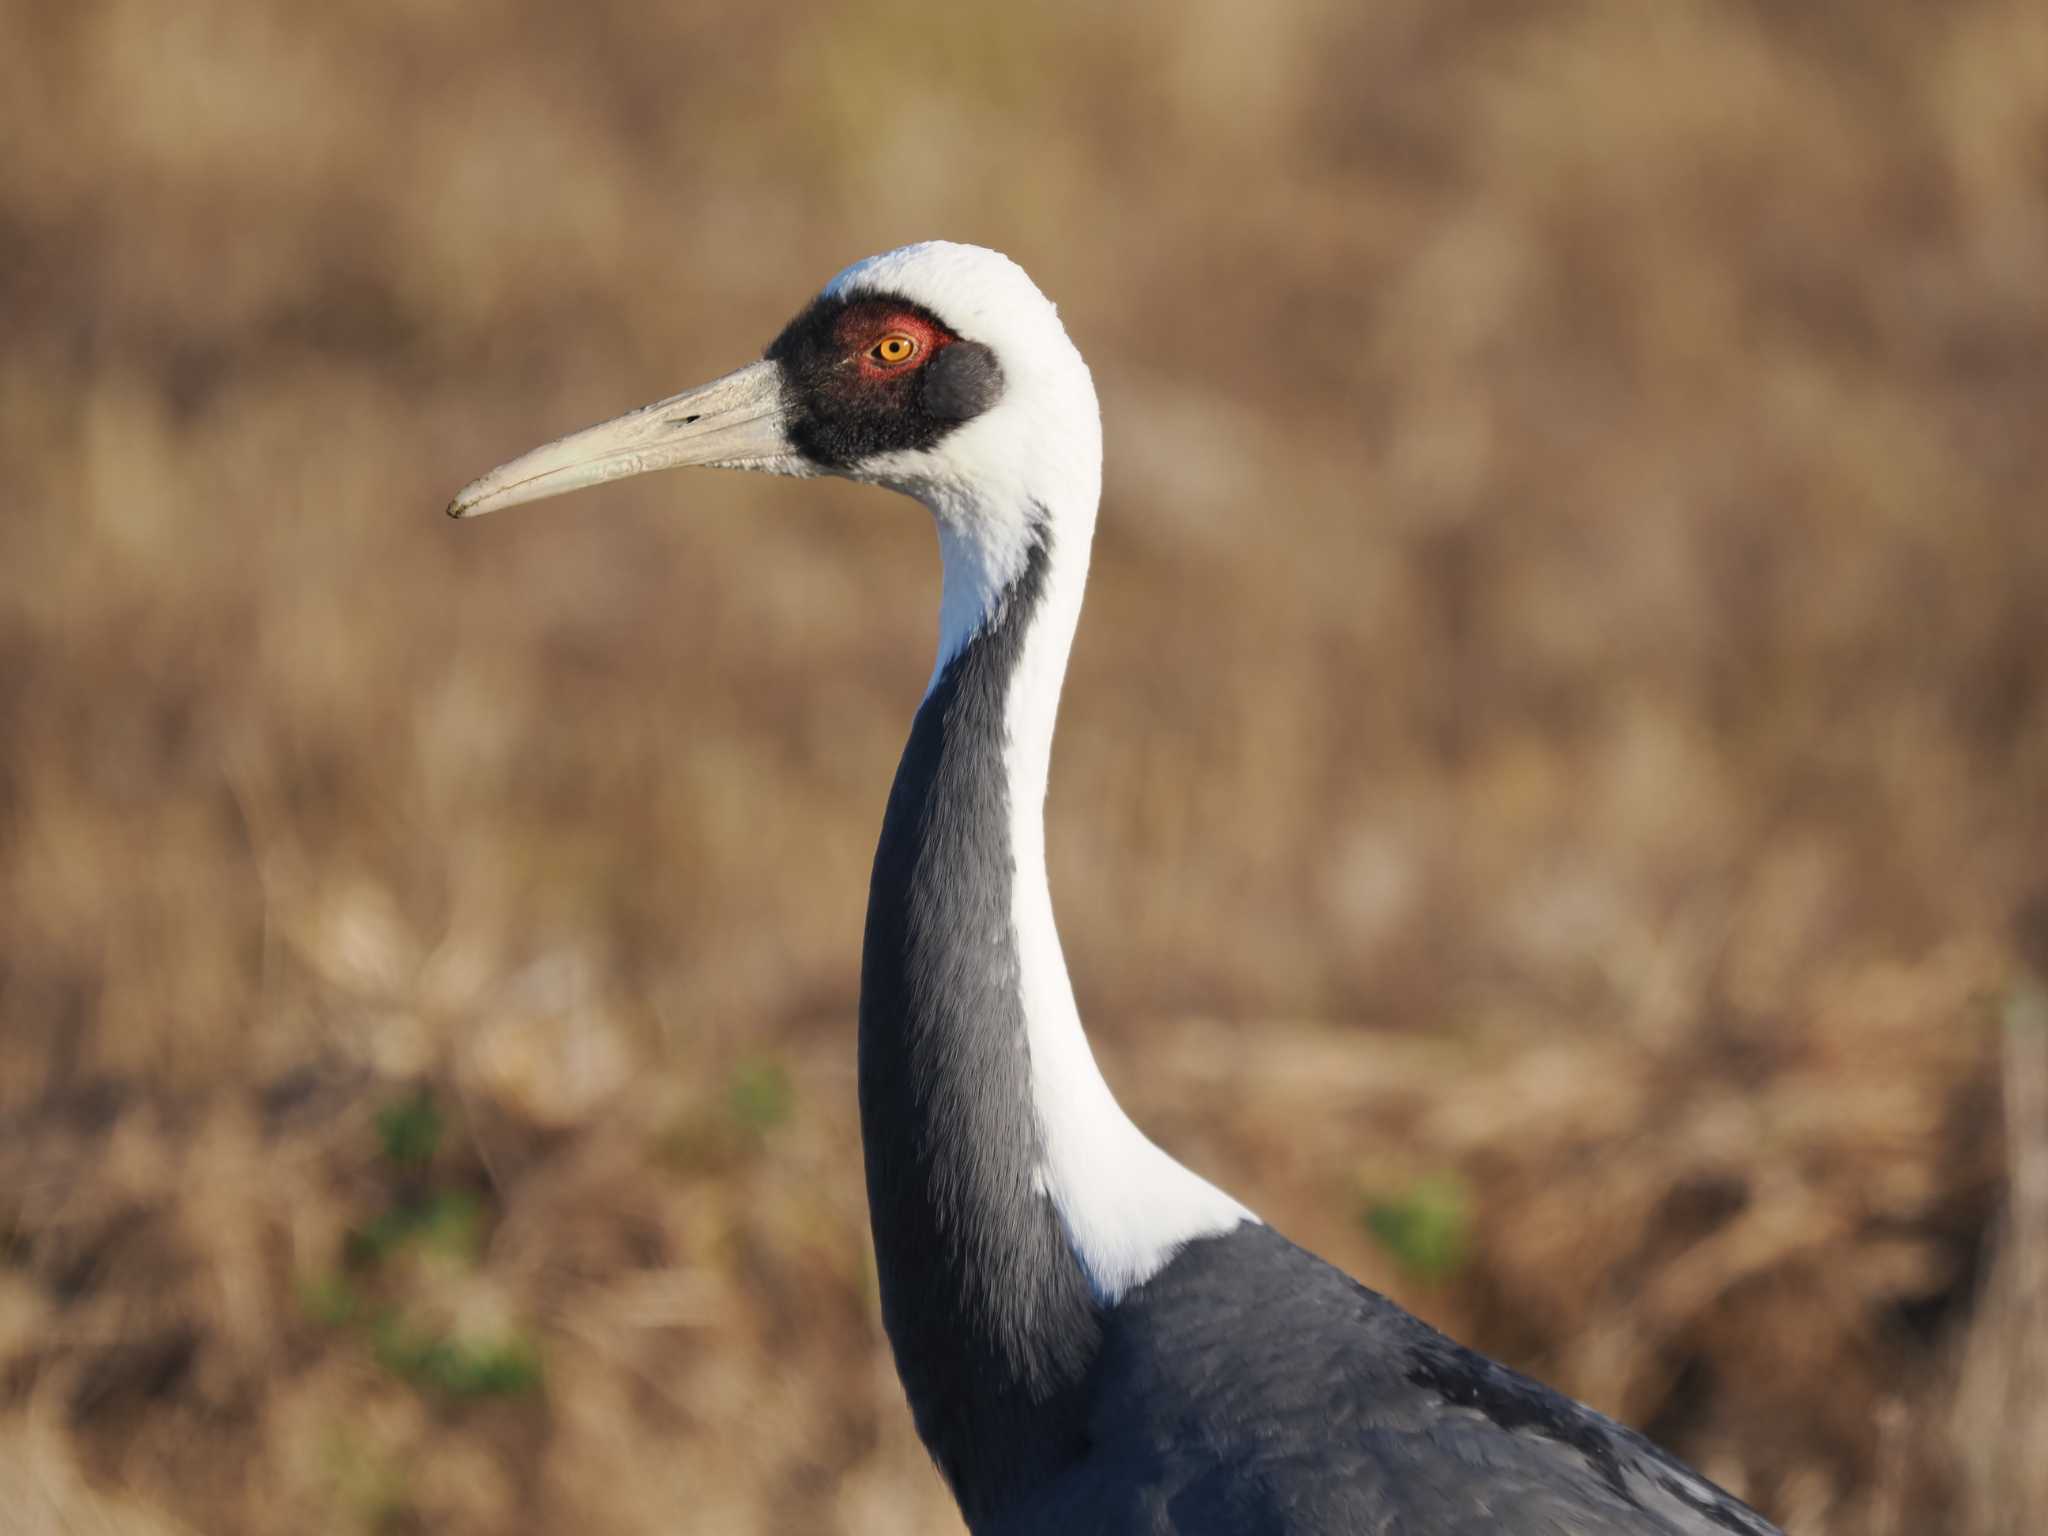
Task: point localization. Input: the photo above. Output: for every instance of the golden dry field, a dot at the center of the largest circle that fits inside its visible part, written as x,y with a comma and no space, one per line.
1551,790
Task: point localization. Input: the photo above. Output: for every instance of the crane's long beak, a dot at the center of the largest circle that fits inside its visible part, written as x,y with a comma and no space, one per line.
732,423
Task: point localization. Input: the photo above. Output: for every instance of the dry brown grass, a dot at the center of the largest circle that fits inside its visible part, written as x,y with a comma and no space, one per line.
1564,710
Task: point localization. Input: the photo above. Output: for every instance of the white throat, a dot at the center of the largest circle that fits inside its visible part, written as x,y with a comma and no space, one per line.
1127,1206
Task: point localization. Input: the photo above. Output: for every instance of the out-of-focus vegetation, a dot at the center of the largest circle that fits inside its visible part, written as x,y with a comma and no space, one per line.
1557,745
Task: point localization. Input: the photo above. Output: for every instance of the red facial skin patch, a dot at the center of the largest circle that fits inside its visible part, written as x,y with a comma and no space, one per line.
862,326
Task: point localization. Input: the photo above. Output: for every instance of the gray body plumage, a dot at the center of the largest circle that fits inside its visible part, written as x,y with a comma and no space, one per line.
1250,1389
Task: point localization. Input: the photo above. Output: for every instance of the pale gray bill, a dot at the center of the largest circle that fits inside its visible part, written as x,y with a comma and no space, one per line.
734,423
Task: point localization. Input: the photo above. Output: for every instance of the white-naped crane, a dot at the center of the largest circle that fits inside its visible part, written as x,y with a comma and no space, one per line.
1094,1340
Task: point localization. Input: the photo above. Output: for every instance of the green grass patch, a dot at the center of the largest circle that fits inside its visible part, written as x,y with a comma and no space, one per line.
409,1129
1427,1228
760,1095
330,1300
448,1222
504,1366
365,1295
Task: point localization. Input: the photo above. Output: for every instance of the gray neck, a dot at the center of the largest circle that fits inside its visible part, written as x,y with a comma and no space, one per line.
989,1312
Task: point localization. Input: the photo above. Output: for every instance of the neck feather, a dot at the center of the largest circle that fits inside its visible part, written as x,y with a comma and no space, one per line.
1125,1205
1011,1197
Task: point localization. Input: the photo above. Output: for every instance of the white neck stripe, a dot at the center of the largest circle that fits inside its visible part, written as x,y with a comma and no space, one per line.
1127,1207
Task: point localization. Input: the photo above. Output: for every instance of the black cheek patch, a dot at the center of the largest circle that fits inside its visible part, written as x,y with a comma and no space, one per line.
962,381
841,412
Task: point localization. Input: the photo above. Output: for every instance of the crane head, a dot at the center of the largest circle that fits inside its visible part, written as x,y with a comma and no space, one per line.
938,370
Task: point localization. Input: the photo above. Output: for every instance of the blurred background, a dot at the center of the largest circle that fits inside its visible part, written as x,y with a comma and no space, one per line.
1553,779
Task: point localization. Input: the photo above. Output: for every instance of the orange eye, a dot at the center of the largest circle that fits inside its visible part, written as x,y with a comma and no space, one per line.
894,348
